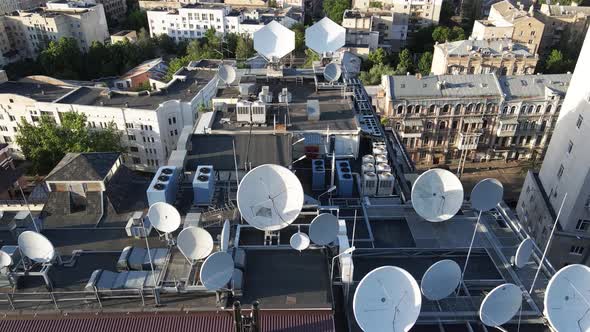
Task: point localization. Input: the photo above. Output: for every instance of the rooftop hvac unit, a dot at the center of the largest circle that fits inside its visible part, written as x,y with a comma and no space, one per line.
265,95
220,107
382,167
135,225
164,185
243,110
313,110
204,185
285,96
345,179
369,184
368,167
380,159
247,87
368,159
258,112
318,170
386,181
379,150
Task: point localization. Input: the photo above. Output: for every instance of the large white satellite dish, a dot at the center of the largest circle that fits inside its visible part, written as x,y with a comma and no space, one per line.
437,195
274,40
524,252
500,305
194,243
36,246
325,36
567,299
224,242
299,241
227,74
164,217
323,229
217,270
387,299
332,72
486,194
5,259
441,280
270,197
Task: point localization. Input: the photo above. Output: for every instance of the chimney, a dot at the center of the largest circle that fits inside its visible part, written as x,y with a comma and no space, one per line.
418,76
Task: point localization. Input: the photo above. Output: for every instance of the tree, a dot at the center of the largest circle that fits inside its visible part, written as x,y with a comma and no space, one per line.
378,56
244,48
422,40
174,65
335,9
62,58
310,57
299,30
46,143
443,34
557,64
425,63
405,63
136,20
373,76
457,33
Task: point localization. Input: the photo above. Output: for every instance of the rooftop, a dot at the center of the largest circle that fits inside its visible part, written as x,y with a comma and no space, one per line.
439,86
37,92
93,166
534,85
486,47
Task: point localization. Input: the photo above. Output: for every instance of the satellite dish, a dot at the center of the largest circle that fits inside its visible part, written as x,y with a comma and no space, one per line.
500,305
441,280
523,253
387,296
299,241
270,197
567,299
217,271
323,229
225,235
194,243
274,40
227,74
332,72
486,194
36,246
437,195
5,259
325,36
164,217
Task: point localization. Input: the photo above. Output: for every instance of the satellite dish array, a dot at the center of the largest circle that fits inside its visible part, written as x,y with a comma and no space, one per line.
326,37
196,243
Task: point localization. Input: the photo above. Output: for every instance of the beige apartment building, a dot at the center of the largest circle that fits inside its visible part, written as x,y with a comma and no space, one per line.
360,33
502,57
439,117
566,24
31,31
10,6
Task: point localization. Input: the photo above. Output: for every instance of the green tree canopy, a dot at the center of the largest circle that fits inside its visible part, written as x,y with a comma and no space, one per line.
310,57
378,56
335,9
136,20
443,34
556,63
299,30
63,58
425,63
373,76
46,143
405,63
245,48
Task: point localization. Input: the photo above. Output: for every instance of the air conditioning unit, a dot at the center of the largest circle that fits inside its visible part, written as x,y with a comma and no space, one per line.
386,182
204,185
368,167
265,95
258,111
345,180
318,170
382,167
369,184
243,111
135,225
368,159
380,158
285,96
164,185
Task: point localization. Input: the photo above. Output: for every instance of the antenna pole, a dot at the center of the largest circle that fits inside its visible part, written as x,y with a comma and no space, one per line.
352,246
233,142
28,208
470,246
147,244
547,245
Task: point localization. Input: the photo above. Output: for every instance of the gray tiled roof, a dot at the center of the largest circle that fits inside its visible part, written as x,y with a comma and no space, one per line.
534,85
491,47
83,167
454,86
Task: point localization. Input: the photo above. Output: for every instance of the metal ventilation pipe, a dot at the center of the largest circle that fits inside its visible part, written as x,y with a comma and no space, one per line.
238,324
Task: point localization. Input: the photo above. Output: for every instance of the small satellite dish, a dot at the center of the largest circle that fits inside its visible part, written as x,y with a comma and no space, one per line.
299,241
194,243
387,296
227,74
325,36
270,197
217,271
164,217
486,194
5,259
441,280
500,305
323,229
274,40
332,72
36,246
437,195
523,253
225,235
567,299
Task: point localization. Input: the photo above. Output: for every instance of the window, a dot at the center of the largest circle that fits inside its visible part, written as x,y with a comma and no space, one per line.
576,250
175,132
560,171
583,225
173,119
12,118
171,133
578,123
133,149
136,160
570,147
7,139
131,137
129,125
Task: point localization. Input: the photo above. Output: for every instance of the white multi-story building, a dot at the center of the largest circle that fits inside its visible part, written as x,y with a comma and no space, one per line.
564,177
31,31
150,123
10,6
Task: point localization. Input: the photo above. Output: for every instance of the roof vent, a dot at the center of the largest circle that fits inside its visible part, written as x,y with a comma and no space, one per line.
167,171
164,178
203,178
159,186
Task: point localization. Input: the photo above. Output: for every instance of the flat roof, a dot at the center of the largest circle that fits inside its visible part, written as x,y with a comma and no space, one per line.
35,91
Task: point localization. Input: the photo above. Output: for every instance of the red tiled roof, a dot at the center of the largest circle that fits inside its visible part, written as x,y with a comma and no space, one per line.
271,321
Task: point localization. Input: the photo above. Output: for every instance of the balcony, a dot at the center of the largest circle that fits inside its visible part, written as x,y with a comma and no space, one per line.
412,128
507,127
468,141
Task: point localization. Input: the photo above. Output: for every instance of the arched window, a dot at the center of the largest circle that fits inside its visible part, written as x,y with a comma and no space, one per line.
418,108
398,125
458,108
538,110
558,109
429,125
489,107
478,107
410,109
400,109
432,108
512,109
522,109
548,108
446,108
505,110
469,108
442,125
531,109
